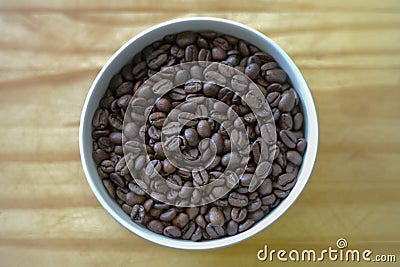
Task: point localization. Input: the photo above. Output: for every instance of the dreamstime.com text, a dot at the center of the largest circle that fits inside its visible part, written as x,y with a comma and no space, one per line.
338,253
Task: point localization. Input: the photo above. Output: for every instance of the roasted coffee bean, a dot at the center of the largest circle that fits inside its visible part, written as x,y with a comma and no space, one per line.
188,230
109,187
138,213
210,89
181,220
243,49
252,70
238,214
218,53
186,38
204,129
301,145
200,177
294,157
201,221
168,215
118,180
116,138
268,200
115,121
215,231
192,137
266,187
197,235
221,43
163,105
232,228
288,138
191,53
254,205
287,101
99,155
280,193
238,200
132,199
124,89
177,94
115,81
216,216
193,87
245,225
286,121
100,118
156,226
276,76
298,121
172,231
263,169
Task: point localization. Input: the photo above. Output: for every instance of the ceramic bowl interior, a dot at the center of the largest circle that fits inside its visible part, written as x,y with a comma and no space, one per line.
134,46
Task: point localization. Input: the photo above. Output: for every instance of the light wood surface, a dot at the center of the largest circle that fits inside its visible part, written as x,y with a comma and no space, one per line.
50,52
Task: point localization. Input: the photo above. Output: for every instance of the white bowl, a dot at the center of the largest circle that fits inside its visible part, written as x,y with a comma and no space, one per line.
135,45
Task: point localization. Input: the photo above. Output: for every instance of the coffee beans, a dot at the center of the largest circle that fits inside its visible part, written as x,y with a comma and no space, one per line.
133,136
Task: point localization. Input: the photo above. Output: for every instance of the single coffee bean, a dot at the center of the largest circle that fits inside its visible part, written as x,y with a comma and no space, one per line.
232,228
252,70
138,213
109,187
191,53
198,234
287,101
191,136
132,199
243,49
254,205
238,214
188,230
214,231
186,38
238,200
200,221
100,119
216,217
288,138
168,215
276,76
99,155
301,145
218,53
172,231
266,187
156,226
116,179
268,200
294,157
298,121
181,220
204,129
116,138
200,177
177,94
245,225
210,89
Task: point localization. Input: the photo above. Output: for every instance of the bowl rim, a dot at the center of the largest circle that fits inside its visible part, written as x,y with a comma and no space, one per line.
312,133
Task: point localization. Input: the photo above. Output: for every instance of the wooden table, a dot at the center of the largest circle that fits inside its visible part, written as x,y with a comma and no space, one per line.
50,52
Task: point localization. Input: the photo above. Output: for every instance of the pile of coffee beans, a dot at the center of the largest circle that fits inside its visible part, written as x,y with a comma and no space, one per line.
240,208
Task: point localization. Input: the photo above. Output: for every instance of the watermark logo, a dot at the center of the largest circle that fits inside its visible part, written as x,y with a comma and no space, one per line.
188,111
339,253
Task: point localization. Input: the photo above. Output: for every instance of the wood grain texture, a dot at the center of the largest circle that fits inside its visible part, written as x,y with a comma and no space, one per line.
50,52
